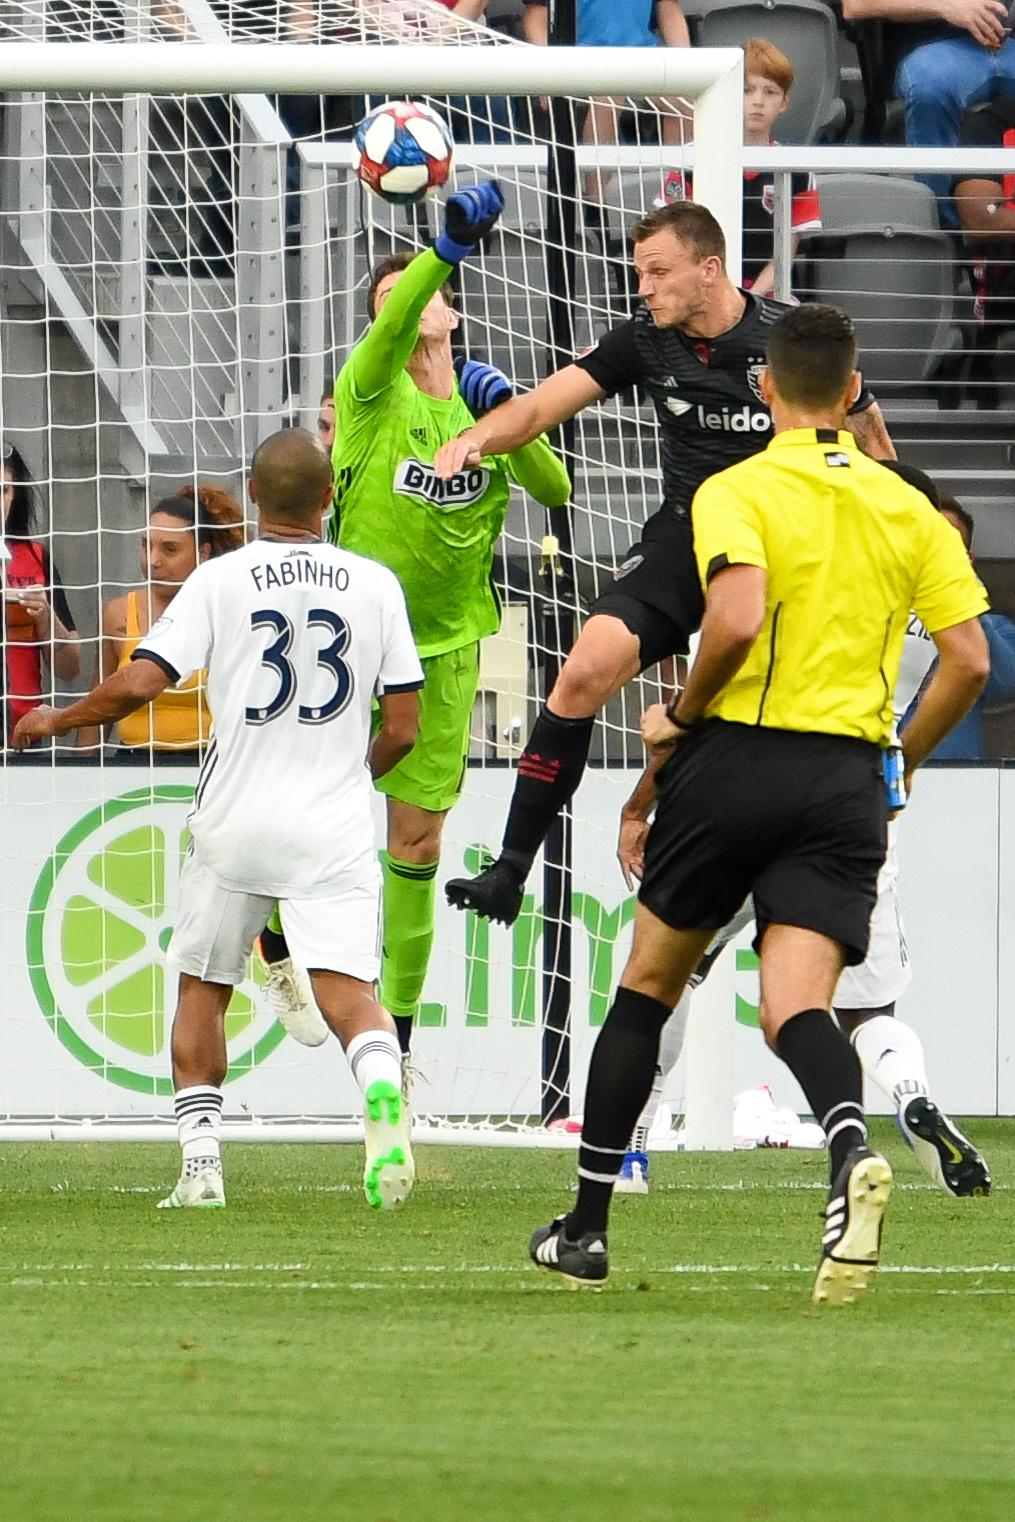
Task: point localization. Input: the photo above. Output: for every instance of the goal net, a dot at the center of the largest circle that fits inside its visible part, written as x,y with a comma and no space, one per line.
185,252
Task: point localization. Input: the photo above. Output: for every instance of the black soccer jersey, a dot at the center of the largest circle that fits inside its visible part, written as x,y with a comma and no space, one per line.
706,393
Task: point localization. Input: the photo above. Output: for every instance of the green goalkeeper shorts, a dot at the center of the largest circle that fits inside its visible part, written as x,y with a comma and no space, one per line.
433,773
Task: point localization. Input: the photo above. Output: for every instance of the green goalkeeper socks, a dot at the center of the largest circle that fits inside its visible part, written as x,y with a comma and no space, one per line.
275,921
409,892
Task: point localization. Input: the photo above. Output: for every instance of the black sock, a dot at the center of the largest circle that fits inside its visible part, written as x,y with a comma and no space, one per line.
273,945
828,1070
403,1028
549,771
620,1080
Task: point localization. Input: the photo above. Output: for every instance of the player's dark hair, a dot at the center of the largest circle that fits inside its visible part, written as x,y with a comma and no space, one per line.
20,521
393,264
689,221
290,471
211,512
950,504
914,476
812,354
328,395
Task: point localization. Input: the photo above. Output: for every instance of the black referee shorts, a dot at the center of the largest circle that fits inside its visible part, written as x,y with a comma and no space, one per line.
798,819
656,593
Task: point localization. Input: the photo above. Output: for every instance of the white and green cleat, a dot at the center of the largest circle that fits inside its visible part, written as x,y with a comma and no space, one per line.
205,1191
390,1171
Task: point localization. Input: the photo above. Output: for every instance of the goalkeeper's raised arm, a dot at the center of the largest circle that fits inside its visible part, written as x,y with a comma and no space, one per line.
398,399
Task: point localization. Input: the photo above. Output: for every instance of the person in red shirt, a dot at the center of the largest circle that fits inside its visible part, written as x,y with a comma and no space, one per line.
38,627
768,79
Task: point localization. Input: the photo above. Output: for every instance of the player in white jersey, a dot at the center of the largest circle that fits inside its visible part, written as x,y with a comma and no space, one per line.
297,637
890,1052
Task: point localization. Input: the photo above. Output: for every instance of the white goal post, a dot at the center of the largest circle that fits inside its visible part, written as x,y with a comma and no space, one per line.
186,356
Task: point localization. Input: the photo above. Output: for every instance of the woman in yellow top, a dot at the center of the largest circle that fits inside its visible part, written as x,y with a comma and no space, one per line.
182,532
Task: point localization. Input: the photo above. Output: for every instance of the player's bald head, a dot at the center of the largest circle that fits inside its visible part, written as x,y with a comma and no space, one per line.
289,475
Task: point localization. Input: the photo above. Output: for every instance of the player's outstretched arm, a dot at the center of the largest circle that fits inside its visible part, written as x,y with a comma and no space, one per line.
869,430
385,349
123,692
960,676
397,734
535,466
520,421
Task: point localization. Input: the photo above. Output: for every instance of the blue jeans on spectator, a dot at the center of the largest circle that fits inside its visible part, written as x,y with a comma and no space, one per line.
938,83
480,119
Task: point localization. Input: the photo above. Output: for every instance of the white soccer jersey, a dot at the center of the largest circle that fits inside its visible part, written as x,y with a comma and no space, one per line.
919,653
296,638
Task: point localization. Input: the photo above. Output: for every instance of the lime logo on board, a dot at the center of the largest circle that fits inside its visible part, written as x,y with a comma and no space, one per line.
99,921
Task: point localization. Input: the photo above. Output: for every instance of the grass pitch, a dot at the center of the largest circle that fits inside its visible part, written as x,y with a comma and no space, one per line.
296,1357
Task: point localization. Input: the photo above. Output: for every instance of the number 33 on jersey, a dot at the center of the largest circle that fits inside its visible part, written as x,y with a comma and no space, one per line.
296,638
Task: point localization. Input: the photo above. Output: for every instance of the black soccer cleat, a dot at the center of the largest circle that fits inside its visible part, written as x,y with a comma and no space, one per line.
583,1262
851,1244
496,894
951,1160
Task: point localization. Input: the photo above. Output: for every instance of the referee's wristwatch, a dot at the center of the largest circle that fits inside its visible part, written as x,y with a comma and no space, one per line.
684,725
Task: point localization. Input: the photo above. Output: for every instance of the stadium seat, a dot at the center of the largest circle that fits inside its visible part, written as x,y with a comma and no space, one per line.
849,201
805,31
897,283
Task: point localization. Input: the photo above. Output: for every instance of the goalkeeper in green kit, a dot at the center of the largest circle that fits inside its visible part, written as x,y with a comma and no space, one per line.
397,400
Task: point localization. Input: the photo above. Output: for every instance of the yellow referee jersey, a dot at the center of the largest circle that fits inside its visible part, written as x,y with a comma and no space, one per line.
849,550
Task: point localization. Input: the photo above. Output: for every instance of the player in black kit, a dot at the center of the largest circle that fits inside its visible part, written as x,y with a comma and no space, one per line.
697,347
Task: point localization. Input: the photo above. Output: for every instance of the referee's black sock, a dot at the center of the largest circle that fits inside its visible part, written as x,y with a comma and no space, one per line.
828,1070
549,770
620,1079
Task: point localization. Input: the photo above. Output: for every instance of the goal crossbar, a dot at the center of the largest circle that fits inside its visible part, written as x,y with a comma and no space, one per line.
712,78
351,68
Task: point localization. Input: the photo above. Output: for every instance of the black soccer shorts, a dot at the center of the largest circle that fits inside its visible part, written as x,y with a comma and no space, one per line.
798,819
656,592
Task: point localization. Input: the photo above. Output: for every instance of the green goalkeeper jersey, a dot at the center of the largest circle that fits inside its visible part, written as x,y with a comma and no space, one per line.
437,536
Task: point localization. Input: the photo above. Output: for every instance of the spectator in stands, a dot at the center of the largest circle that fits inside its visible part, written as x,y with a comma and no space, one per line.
768,79
943,57
965,743
182,532
608,24
986,207
39,626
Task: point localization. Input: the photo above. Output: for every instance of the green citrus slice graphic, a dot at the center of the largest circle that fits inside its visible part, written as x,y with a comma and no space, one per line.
99,921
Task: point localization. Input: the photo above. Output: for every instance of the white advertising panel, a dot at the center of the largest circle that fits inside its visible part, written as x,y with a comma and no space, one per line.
92,864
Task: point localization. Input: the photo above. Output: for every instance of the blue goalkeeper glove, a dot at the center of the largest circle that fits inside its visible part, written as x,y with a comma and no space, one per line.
483,387
468,216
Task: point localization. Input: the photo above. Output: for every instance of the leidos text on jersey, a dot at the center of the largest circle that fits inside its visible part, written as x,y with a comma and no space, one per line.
743,420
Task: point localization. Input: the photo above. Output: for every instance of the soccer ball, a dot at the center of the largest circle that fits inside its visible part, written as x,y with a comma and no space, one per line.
403,151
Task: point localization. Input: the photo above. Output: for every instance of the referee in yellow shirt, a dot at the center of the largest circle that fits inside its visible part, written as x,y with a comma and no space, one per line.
770,774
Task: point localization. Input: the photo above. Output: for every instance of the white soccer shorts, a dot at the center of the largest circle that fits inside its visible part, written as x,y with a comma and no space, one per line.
886,974
216,927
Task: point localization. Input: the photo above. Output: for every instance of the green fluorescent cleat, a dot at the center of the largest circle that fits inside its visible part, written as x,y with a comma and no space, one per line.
390,1171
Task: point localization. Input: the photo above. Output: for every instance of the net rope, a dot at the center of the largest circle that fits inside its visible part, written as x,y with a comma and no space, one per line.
183,275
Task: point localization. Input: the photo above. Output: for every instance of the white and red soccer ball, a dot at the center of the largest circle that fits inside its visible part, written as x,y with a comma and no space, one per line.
403,151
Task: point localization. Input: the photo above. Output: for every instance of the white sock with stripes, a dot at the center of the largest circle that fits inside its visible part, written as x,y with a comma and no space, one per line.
670,1044
375,1056
891,1055
199,1126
